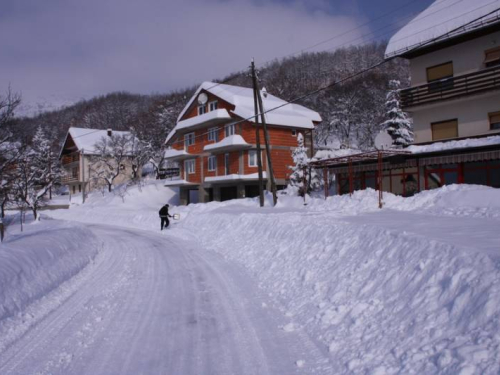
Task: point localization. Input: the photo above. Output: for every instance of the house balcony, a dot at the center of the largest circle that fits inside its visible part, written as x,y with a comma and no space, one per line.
178,155
229,178
452,88
211,118
234,142
69,160
69,180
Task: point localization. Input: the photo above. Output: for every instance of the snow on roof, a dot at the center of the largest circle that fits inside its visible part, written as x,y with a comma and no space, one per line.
232,140
293,115
453,145
443,18
85,139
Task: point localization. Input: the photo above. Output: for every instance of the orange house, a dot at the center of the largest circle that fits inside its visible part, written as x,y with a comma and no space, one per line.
214,142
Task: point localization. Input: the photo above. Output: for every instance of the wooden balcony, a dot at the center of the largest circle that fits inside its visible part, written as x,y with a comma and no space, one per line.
69,179
70,159
452,88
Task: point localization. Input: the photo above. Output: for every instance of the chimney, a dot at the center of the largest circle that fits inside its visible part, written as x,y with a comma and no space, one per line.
110,132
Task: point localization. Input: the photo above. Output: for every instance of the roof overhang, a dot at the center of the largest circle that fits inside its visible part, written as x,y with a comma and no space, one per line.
177,155
232,143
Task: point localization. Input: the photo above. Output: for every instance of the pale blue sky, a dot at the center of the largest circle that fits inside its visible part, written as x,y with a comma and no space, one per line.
74,49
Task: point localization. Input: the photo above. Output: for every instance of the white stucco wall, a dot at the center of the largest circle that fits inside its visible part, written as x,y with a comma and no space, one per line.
471,113
467,57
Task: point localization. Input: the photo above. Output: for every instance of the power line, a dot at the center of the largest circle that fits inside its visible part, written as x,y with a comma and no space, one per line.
352,76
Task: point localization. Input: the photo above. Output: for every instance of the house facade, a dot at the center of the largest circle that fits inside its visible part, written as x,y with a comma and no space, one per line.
78,157
454,100
214,143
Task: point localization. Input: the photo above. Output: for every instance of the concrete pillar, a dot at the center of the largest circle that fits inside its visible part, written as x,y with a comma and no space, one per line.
240,188
216,190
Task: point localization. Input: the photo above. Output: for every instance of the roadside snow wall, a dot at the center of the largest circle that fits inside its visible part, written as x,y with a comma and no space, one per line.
37,261
381,301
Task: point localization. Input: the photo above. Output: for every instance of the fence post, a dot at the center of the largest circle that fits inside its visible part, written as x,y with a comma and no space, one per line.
2,229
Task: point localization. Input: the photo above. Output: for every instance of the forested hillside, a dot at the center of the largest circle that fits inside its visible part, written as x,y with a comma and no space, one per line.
352,112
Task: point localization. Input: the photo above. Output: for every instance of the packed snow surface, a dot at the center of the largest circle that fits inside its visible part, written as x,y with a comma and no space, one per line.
412,288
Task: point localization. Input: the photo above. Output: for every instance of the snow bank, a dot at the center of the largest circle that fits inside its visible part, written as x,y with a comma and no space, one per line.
381,301
32,263
411,288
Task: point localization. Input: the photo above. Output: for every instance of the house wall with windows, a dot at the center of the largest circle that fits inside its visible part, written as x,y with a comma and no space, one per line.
222,146
471,61
473,115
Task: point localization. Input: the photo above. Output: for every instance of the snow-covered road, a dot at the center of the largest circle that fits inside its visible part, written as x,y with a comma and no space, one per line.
152,304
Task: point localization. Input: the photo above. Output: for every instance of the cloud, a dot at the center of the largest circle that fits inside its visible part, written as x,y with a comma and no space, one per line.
91,47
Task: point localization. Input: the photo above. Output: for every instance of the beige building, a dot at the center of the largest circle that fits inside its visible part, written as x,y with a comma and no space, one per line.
79,159
454,100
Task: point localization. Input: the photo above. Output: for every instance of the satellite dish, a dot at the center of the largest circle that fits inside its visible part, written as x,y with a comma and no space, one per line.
383,141
202,98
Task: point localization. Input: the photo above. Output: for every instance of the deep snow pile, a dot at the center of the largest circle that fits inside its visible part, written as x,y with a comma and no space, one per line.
40,259
411,288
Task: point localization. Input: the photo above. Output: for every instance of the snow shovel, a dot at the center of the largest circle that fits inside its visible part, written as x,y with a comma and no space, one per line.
176,216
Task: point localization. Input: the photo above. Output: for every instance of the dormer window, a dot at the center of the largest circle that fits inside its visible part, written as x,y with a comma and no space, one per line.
212,105
202,109
492,57
189,139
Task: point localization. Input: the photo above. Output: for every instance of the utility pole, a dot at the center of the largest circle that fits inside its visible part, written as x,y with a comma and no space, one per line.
83,176
257,136
266,137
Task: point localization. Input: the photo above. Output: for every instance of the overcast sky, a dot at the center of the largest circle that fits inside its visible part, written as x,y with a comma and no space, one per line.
65,49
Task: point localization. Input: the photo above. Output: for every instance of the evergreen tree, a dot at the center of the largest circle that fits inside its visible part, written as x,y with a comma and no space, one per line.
398,125
300,159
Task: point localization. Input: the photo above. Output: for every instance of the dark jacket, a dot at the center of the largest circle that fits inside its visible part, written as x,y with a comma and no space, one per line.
164,212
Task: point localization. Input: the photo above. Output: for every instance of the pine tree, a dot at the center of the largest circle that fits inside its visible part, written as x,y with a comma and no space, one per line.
300,160
398,125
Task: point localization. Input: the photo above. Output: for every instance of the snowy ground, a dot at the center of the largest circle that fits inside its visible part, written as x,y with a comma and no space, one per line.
332,287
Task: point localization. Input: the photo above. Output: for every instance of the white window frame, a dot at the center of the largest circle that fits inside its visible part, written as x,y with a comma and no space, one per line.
189,166
189,139
254,153
212,166
213,104
213,134
228,132
202,109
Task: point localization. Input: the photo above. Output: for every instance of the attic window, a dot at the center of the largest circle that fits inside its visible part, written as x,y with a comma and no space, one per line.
202,109
212,105
492,57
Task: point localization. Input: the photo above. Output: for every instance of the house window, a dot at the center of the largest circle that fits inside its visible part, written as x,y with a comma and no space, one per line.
439,72
212,105
202,109
494,121
294,132
213,134
444,129
189,139
230,130
212,163
492,57
189,166
252,158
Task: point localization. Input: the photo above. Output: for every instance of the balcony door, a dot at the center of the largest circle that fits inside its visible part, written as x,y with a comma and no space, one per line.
226,164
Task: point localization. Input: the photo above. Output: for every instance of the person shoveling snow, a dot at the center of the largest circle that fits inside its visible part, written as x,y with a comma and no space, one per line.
164,215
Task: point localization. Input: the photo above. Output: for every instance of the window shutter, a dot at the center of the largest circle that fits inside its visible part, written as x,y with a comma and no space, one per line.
492,57
444,130
440,72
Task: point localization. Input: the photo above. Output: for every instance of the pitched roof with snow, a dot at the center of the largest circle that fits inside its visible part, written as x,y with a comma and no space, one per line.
85,139
290,115
444,20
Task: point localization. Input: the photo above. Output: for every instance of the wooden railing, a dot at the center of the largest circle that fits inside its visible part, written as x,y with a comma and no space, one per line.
71,158
68,179
452,88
